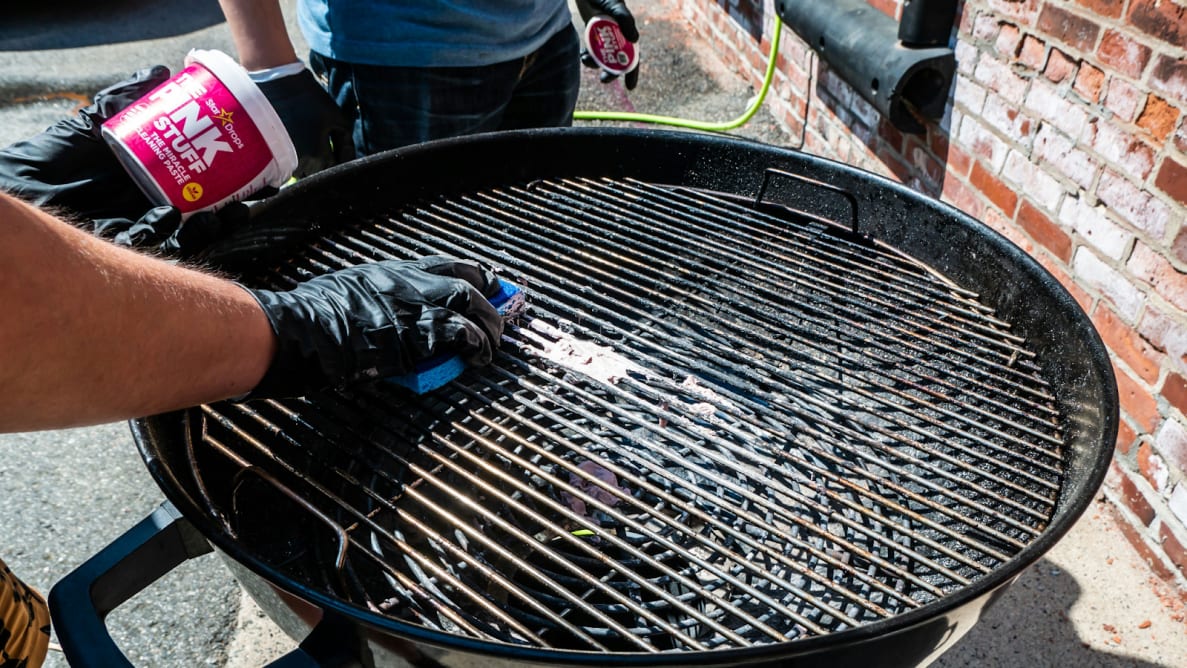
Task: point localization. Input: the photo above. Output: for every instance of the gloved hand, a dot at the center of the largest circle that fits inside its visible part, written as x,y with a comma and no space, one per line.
375,321
617,10
71,168
320,131
162,230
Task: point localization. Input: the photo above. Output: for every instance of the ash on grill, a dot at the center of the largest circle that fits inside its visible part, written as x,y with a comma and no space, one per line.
718,425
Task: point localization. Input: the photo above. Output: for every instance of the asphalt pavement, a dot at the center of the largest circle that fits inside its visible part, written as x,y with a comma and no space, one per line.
66,494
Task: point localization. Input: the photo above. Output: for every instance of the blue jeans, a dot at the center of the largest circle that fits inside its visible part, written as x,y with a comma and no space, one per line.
398,106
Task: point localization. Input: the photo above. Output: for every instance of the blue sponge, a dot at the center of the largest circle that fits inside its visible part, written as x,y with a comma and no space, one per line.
435,372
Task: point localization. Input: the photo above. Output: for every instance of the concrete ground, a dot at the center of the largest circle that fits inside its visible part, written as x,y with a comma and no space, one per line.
1089,602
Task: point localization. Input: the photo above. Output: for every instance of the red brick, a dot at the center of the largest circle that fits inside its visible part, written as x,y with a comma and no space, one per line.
1126,344
1090,82
1181,137
1164,19
893,162
1044,231
1137,401
1174,390
1153,559
1130,496
1074,30
1059,271
887,7
1123,54
1109,8
890,135
1125,437
1032,52
1169,75
1173,548
959,162
1152,467
1158,118
1008,39
1060,66
924,162
937,142
1002,195
1172,179
958,193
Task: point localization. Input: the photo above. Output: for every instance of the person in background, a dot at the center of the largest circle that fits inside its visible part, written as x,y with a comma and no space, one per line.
93,332
400,72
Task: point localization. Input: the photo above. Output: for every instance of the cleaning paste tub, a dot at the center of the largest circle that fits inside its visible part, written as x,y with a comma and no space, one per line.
204,138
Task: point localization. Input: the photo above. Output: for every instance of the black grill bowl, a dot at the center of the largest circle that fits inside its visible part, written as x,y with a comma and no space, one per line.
290,566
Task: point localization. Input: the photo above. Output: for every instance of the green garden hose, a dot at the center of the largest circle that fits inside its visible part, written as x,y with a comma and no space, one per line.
690,124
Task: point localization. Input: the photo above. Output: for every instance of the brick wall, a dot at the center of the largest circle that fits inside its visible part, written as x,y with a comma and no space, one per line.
1065,132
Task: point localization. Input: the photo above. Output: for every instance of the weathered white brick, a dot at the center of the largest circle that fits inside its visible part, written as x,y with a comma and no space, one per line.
1120,148
1092,224
1112,284
1139,208
1171,441
969,95
985,27
1061,153
966,58
1124,99
1178,501
1006,119
1033,182
982,143
997,76
1046,102
1168,334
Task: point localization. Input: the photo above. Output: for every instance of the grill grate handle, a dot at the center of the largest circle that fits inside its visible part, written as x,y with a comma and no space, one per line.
849,196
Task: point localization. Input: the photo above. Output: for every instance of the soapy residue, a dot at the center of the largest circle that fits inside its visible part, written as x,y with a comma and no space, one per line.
590,359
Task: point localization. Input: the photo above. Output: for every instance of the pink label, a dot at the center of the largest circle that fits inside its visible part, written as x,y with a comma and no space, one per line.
194,139
609,47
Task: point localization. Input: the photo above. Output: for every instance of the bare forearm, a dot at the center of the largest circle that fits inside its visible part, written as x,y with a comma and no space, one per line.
92,332
259,33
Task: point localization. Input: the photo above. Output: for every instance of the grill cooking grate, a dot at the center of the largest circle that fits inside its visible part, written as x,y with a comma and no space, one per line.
718,425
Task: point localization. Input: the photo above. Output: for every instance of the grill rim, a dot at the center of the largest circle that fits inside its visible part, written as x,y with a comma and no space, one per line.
621,149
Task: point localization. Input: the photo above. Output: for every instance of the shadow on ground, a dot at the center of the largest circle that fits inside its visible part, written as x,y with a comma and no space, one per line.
67,24
1032,615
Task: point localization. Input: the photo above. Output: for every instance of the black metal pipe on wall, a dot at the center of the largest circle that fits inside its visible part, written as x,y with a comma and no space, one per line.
894,66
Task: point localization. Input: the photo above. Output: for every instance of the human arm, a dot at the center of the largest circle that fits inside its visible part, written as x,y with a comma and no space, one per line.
321,133
93,332
258,33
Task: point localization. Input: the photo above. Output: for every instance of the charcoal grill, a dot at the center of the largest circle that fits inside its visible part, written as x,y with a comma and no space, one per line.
762,407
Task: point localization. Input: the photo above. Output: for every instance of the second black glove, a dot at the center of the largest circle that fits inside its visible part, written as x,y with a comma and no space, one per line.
320,131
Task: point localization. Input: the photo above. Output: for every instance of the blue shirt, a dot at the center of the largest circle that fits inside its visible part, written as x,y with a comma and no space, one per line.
430,33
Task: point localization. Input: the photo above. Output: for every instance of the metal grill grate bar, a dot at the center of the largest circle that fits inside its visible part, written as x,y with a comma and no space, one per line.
719,425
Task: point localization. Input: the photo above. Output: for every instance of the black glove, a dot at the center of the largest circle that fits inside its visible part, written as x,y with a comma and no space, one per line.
162,230
70,167
617,10
377,320
320,131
